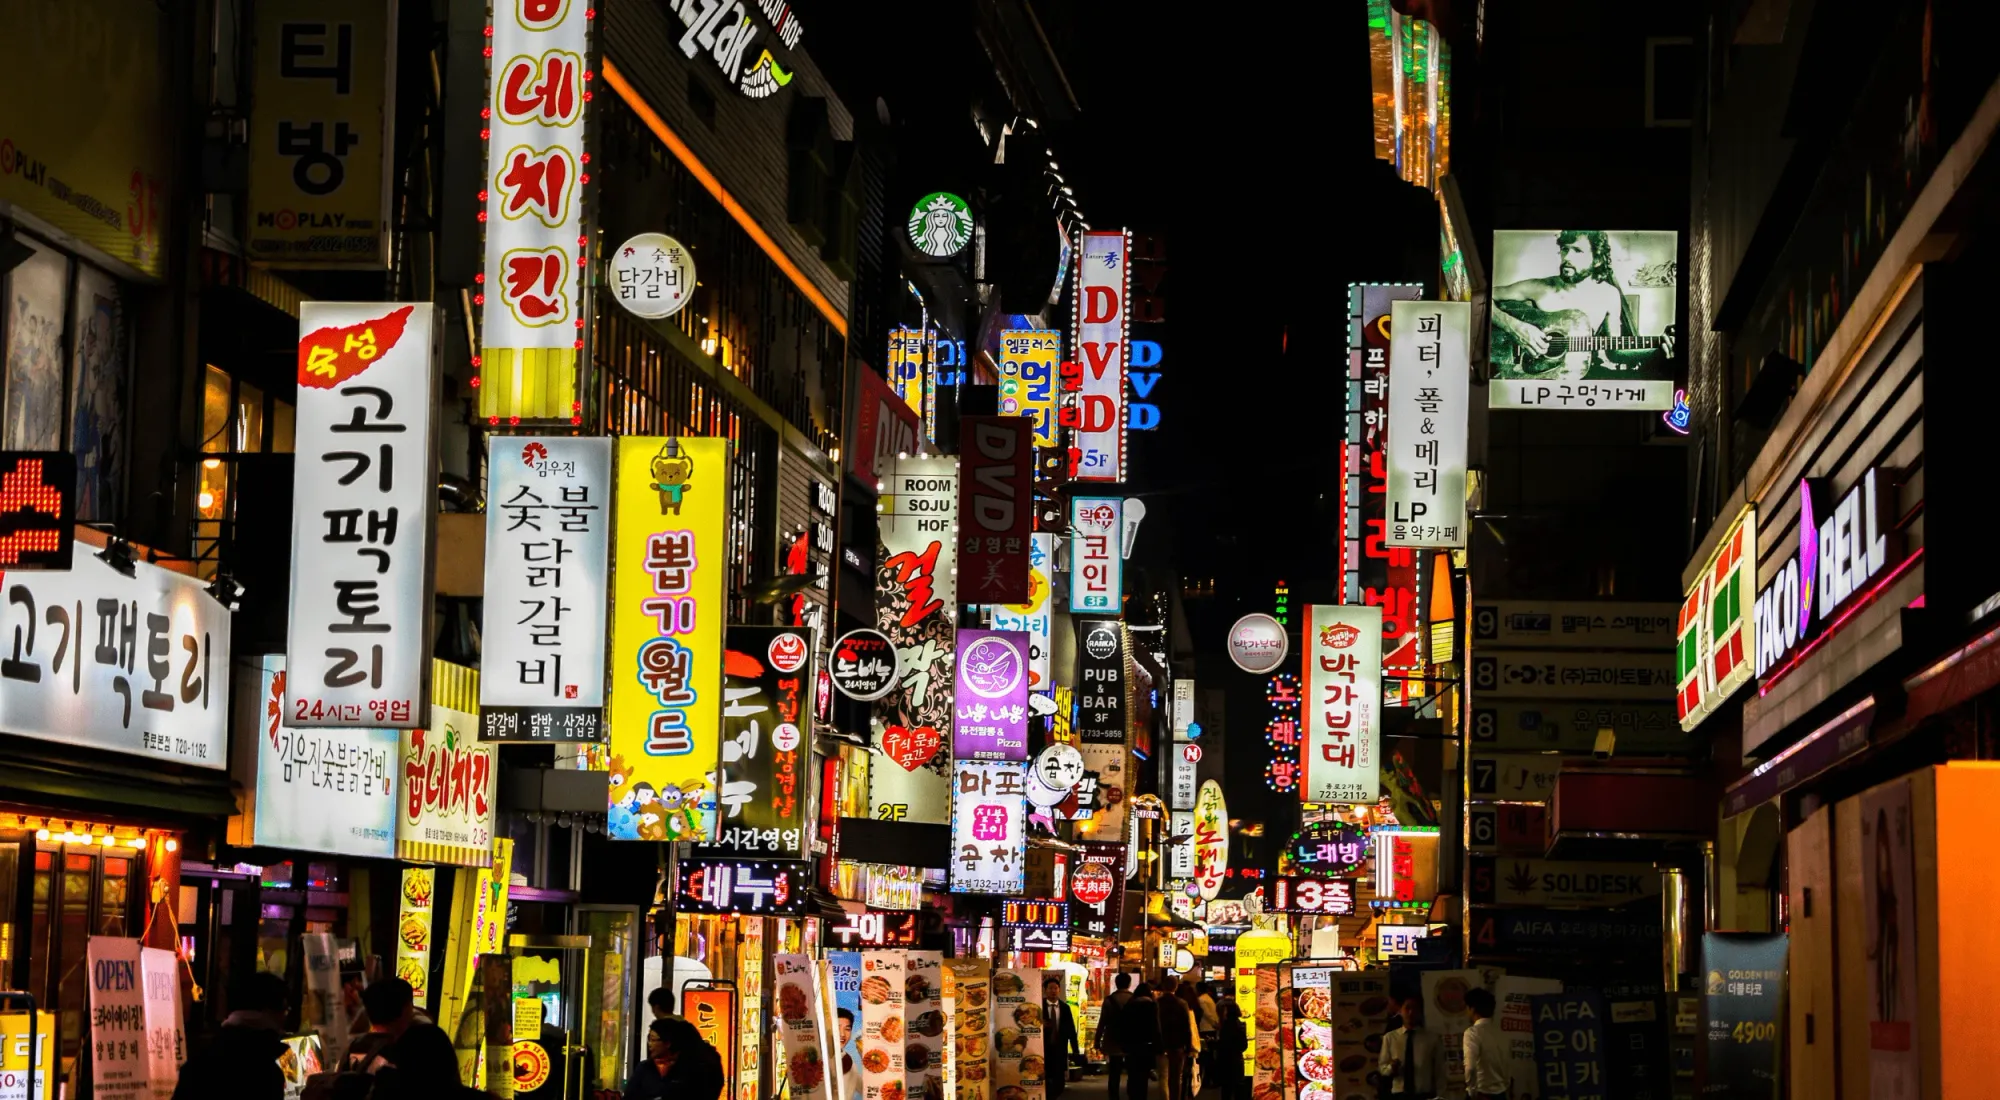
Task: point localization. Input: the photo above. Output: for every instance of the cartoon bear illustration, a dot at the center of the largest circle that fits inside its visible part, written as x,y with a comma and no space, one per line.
671,472
652,820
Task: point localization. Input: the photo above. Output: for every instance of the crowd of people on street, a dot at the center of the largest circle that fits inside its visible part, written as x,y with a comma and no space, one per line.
1178,1030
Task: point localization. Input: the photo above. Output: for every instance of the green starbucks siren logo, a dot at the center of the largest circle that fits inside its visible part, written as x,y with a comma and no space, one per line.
940,224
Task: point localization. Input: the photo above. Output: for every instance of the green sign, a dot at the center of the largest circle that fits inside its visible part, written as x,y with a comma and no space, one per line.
940,224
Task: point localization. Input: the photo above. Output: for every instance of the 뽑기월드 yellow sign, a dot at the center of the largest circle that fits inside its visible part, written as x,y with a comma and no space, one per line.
666,636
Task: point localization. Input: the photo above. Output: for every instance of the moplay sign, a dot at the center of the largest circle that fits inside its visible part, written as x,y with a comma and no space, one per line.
1842,548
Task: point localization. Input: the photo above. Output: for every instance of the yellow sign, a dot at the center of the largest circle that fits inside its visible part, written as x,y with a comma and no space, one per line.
413,929
489,915
531,1067
1254,949
15,1060
666,636
319,134
527,1017
84,138
908,366
1028,362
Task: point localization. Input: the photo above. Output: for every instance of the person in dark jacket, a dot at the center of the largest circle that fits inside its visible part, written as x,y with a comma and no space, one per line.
1110,1035
1140,1022
1059,1040
679,1065
425,1068
1230,1038
242,1061
1176,1036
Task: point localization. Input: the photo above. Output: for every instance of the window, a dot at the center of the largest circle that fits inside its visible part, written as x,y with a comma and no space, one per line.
67,368
238,420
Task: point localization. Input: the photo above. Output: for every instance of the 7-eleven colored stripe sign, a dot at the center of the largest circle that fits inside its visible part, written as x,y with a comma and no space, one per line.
1714,627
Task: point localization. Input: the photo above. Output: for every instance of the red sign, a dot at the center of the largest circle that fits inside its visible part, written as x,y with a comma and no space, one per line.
884,426
37,509
996,508
911,748
1092,883
1376,575
1191,753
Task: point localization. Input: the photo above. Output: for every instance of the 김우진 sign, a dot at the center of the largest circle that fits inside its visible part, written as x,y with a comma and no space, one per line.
991,720
1028,359
666,635
548,541
766,743
1430,377
1103,280
450,779
1584,319
531,335
1717,640
996,510
1097,571
330,790
916,605
652,275
1343,704
988,844
359,646
940,225
156,687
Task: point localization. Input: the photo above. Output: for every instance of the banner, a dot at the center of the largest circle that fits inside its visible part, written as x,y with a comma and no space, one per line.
916,605
1096,569
135,1026
24,1066
365,516
1584,319
1035,616
808,1075
1889,901
450,781
968,1004
988,839
1019,1062
1097,888
1744,1011
1097,409
1569,1045
1515,1018
1430,380
1359,1012
1343,704
923,1013
666,636
844,974
766,744
1374,573
996,507
991,716
316,790
1028,359
548,546
1211,840
883,1026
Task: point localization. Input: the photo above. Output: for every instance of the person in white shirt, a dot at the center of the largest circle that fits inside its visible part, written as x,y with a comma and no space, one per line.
1485,1049
1412,1058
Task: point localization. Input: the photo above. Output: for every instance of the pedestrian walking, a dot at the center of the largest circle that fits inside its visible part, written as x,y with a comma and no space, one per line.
1140,1032
679,1065
1059,1043
1231,1039
1177,1037
242,1061
1412,1060
1109,1038
1485,1049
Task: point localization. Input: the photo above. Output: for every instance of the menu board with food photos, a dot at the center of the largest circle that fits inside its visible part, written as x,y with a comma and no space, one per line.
413,930
1312,1033
1287,1039
923,1016
1019,1065
1264,1082
797,982
883,1029
969,1011
1359,1015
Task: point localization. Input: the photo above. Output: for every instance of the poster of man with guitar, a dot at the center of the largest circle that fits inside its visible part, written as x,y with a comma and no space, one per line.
1585,305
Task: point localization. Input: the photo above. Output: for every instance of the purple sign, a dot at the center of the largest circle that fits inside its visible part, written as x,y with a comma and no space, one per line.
990,715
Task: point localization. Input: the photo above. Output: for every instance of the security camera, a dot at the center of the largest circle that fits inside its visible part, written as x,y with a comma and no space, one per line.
1607,743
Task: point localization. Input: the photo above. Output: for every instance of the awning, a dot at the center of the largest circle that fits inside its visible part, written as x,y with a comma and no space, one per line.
112,790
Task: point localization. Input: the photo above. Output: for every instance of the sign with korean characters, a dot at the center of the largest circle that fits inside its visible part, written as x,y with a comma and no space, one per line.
450,779
24,1063
666,635
1211,839
135,1025
1101,717
910,354
1343,704
548,542
864,665
37,510
1036,925
1572,624
1584,319
1641,728
1631,935
1375,573
766,744
1716,649
916,605
1399,941
996,509
1097,888
1096,406
991,718
1555,674
778,888
1328,849
812,1071
1028,359
652,275
1512,777
1430,379
358,652
1570,1046
323,99
1034,616
317,790
988,821
1185,758
1289,894
1096,570
1512,827
1744,1013
1559,882
531,338
159,685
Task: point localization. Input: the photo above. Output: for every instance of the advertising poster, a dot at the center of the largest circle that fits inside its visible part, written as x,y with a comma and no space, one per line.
990,720
1343,704
1267,1055
807,1073
844,974
365,435
24,1065
1584,319
988,838
1358,1013
1096,567
450,781
916,605
884,1029
1430,382
1255,951
1017,1034
1096,407
1445,1013
766,744
996,508
166,1041
1515,1005
317,790
1028,359
969,1009
548,545
923,1015
1034,616
1570,1045
1744,1012
1889,920
667,636
413,928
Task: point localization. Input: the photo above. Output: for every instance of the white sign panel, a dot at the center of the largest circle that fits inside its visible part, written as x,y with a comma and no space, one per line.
319,790
1103,279
1258,643
1399,940
1096,572
1185,757
1572,624
365,505
1430,377
652,275
1180,857
1183,713
548,545
919,508
1036,618
1343,704
989,802
135,664
1528,674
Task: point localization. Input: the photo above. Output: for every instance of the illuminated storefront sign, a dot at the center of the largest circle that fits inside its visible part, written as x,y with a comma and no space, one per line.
872,929
1211,839
1258,643
1028,359
940,225
916,605
1395,941
1284,731
749,887
1097,405
1430,381
991,708
910,355
1342,704
1374,573
988,844
652,275
1714,653
1328,849
1097,571
1286,894
37,509
450,779
1406,865
724,30
766,744
1035,617
1842,547
1143,413
1602,306
331,790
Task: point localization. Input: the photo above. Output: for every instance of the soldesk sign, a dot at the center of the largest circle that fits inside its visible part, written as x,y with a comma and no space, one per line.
1843,546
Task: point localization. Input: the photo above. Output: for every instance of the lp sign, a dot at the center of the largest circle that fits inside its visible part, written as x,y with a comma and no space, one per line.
1841,549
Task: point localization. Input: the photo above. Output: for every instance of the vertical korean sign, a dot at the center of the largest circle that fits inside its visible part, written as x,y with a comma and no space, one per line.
907,366
135,1027
991,717
1374,572
548,543
916,605
996,509
1343,704
1102,715
799,1014
531,330
450,778
1096,570
1103,280
1034,616
358,653
666,635
1429,386
766,742
1028,359
988,842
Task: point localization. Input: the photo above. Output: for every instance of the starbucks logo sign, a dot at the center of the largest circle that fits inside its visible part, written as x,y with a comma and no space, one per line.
940,224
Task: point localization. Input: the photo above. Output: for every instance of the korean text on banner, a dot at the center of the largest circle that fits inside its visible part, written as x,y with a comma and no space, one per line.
909,366
1516,1020
923,1012
359,648
766,744
132,1029
988,834
996,511
1604,306
1343,704
810,1073
1097,571
1017,1034
1036,616
991,710
320,133
916,606
548,545
531,322
1430,381
1373,572
666,636
24,1063
1028,363
883,1026
968,997
318,790
1097,411
449,784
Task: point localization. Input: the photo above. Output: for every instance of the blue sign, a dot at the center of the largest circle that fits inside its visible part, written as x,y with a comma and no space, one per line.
1569,1045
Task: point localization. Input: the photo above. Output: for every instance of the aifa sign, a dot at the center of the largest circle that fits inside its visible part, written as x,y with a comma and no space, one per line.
1843,546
